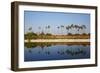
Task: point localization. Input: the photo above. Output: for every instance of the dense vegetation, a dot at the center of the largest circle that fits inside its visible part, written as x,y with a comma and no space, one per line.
46,36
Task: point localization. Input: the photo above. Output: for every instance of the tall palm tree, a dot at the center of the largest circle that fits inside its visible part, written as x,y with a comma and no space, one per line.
46,28
30,28
58,28
39,29
72,25
77,28
84,28
67,28
80,29
49,28
29,34
62,27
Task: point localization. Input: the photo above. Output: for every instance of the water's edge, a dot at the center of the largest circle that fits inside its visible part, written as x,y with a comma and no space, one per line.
58,40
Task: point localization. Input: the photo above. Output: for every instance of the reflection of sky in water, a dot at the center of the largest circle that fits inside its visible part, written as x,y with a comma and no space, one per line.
56,52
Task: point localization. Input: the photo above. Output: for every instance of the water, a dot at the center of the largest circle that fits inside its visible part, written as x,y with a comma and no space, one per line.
44,51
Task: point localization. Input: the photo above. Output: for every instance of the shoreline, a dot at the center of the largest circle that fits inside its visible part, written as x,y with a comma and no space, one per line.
57,40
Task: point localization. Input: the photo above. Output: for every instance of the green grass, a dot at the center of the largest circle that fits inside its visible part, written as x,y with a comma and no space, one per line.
57,36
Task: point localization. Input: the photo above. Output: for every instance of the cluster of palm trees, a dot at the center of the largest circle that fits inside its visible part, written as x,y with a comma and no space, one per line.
76,27
62,29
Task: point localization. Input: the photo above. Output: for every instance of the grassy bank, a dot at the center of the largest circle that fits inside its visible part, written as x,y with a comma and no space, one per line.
86,36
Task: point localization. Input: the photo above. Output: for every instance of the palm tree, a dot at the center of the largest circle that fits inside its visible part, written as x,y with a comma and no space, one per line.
67,28
84,28
49,29
58,28
62,27
46,29
39,29
80,29
29,34
30,28
72,25
77,28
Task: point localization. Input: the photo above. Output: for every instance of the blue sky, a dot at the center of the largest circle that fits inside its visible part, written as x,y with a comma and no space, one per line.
36,19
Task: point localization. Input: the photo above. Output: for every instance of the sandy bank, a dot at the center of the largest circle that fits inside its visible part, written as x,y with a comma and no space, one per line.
59,40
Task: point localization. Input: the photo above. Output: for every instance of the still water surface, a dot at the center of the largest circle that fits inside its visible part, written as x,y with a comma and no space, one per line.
37,52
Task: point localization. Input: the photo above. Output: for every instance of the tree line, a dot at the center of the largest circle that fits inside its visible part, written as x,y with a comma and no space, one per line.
78,29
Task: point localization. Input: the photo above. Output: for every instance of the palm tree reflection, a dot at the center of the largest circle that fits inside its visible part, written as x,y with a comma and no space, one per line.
30,51
72,52
44,48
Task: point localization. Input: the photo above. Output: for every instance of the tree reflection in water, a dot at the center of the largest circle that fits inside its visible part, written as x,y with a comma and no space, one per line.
72,52
46,44
43,47
30,51
76,52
